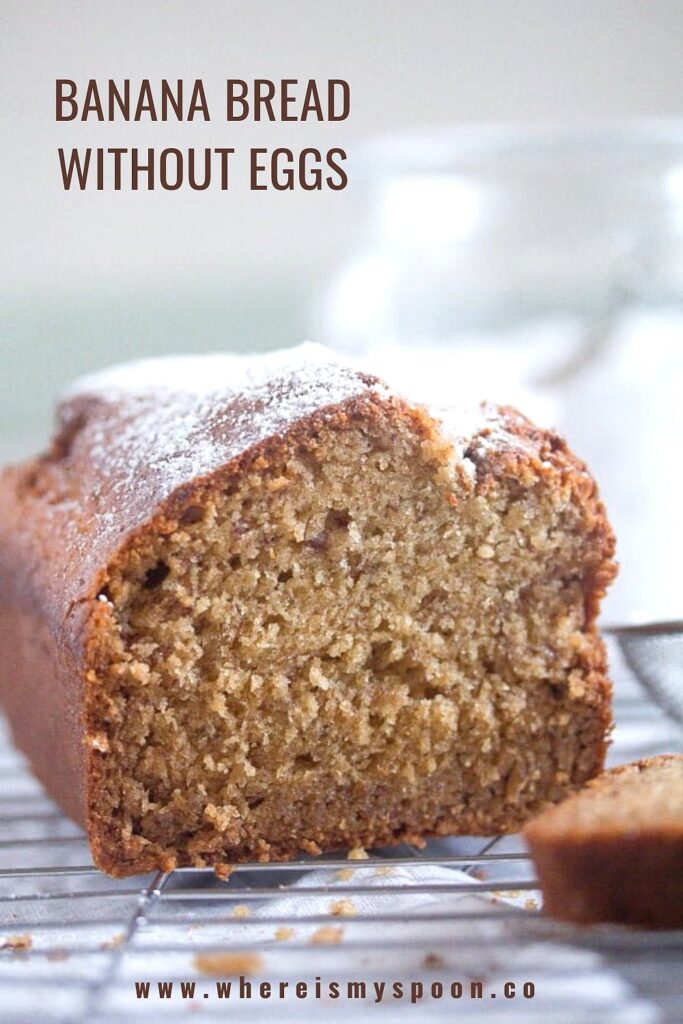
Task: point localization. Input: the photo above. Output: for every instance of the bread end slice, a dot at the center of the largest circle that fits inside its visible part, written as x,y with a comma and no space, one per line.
613,852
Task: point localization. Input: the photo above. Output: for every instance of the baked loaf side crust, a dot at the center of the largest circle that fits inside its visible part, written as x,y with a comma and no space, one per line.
137,459
613,852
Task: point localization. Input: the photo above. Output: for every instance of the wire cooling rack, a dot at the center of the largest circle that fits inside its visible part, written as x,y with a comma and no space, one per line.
454,925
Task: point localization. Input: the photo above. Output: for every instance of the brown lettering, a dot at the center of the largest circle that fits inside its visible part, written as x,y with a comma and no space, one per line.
311,102
334,157
264,90
198,102
334,86
166,183
75,165
255,169
91,103
287,99
63,97
237,92
145,103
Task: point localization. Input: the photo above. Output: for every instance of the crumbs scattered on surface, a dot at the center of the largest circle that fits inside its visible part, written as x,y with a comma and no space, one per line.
228,963
241,910
357,853
223,871
328,935
282,934
17,942
343,908
114,941
433,960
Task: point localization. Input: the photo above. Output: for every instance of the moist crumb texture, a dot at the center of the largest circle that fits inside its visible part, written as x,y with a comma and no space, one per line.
355,626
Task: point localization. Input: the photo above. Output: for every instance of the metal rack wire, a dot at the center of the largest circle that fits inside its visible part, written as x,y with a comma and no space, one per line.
74,942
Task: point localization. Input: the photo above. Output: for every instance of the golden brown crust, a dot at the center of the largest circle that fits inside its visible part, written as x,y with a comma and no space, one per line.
70,517
620,863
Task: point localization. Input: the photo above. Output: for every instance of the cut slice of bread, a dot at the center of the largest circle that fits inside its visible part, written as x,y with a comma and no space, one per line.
614,850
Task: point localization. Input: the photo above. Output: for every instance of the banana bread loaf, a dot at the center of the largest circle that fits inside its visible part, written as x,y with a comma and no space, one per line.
256,606
614,851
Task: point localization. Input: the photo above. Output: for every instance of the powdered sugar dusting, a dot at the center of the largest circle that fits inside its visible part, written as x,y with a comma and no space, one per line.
160,423
182,417
134,434
154,425
208,375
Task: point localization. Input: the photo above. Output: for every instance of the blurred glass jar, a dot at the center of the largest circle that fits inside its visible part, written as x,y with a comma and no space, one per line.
545,269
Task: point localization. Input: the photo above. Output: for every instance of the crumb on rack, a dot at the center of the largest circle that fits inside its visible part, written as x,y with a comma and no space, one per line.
223,871
343,908
241,910
433,960
114,941
282,934
328,935
344,874
357,853
228,963
17,942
